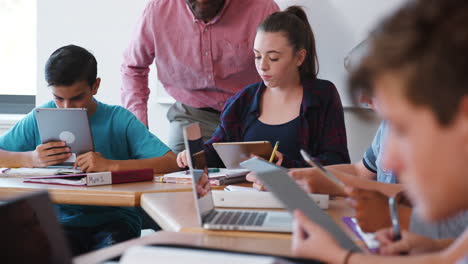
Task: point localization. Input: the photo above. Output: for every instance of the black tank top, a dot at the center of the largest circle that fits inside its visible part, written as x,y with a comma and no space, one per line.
286,134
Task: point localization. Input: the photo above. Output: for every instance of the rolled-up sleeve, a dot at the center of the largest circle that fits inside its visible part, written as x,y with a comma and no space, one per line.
137,58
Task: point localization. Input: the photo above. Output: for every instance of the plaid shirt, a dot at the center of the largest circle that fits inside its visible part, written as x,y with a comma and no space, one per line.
322,130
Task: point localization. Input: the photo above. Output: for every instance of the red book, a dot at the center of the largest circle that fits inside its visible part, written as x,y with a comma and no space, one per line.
97,178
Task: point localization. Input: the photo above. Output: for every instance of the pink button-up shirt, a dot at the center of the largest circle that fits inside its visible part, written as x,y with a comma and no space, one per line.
200,64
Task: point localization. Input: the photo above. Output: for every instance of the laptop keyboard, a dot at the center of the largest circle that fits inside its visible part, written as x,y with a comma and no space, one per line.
238,218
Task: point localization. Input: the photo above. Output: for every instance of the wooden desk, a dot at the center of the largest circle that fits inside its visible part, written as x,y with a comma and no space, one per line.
176,212
276,246
126,194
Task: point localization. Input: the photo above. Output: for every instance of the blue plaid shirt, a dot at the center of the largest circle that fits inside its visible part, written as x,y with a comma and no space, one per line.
321,132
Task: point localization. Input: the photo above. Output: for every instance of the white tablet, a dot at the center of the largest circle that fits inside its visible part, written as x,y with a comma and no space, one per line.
283,187
66,124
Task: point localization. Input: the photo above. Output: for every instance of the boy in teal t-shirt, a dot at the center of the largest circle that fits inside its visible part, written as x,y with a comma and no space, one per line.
121,142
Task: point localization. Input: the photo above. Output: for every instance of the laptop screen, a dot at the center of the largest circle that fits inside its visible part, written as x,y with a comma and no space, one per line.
199,170
30,232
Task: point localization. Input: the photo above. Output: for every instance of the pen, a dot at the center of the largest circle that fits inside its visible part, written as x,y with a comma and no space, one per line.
322,170
273,153
392,204
210,170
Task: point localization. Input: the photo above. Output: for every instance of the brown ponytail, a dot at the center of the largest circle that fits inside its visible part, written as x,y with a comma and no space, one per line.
293,21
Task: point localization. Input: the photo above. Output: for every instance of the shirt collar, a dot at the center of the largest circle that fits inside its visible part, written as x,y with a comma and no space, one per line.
212,21
256,98
309,99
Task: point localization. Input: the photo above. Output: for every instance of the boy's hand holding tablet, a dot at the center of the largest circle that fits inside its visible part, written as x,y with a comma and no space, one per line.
49,154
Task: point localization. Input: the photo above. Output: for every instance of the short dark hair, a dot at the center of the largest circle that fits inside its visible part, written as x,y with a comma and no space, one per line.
70,64
427,41
294,23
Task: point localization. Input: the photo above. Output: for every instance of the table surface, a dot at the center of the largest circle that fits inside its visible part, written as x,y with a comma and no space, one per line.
259,245
125,194
175,213
182,217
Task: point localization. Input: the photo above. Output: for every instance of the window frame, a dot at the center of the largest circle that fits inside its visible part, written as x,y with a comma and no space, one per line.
16,104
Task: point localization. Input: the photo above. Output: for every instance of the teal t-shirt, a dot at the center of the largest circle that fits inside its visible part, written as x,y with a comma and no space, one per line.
117,135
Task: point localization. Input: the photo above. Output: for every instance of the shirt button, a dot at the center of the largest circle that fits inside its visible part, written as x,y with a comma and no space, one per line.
210,77
206,53
206,29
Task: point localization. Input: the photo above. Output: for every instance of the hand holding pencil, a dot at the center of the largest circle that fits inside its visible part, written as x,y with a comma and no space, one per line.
277,154
274,154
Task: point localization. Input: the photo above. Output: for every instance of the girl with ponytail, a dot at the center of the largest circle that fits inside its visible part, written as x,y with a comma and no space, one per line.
290,105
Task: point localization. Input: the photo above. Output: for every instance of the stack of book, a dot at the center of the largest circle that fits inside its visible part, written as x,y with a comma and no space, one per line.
220,177
96,178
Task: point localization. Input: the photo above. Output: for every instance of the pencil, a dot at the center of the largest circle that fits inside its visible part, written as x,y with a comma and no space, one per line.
273,153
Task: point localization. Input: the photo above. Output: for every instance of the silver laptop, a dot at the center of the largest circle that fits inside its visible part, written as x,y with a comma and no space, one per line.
286,190
211,218
66,124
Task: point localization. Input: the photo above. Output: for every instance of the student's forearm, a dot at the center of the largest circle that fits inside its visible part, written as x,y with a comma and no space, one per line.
441,244
447,251
346,168
388,189
164,164
10,159
435,258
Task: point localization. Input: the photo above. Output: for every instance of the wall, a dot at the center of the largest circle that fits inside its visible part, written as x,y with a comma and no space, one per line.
339,25
105,28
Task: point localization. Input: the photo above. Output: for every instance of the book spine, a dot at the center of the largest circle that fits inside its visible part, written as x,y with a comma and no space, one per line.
104,178
159,179
99,178
175,180
227,181
132,176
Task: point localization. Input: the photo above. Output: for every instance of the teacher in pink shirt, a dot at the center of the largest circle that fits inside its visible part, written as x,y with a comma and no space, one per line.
203,51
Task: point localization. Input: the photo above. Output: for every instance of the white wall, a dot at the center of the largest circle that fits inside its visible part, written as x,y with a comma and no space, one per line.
105,27
339,25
